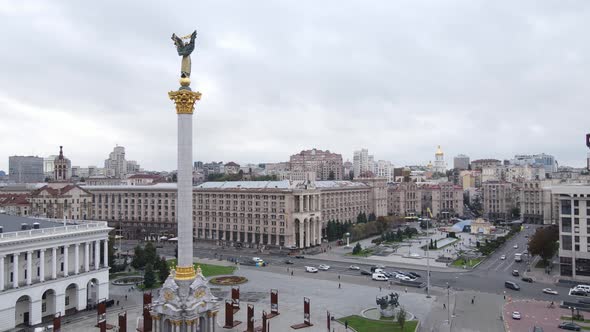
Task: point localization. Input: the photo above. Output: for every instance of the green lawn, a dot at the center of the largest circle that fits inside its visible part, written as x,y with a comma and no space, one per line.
362,324
363,253
208,269
569,318
469,262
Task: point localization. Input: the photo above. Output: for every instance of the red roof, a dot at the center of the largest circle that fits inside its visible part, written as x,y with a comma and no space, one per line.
12,199
231,163
58,191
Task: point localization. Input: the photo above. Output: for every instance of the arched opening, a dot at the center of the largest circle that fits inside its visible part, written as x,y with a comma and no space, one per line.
48,303
92,292
22,311
71,298
166,326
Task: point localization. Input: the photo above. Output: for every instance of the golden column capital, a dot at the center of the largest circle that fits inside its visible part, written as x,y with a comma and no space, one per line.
185,273
184,100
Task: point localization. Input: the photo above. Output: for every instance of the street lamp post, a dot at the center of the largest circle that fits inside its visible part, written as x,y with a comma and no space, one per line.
347,240
449,302
427,260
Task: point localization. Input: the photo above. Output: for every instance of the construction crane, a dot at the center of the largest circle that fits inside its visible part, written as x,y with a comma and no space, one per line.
429,212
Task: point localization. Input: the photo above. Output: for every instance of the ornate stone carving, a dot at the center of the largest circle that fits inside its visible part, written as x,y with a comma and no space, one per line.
185,103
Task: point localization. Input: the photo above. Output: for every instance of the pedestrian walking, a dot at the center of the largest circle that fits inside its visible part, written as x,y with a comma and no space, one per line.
338,277
291,272
339,286
444,306
379,288
406,290
346,324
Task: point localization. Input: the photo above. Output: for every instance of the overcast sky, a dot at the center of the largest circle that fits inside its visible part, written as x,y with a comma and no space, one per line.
483,78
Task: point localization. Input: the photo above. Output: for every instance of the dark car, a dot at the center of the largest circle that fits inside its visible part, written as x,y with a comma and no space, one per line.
300,256
288,261
537,329
414,274
511,285
569,326
366,273
578,293
527,279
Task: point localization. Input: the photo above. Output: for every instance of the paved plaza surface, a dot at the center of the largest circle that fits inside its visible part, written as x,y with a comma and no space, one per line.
534,313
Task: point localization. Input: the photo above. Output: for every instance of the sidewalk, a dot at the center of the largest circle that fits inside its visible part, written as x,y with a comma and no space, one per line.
538,274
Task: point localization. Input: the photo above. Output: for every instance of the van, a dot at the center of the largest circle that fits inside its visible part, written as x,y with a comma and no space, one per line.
511,285
584,288
379,277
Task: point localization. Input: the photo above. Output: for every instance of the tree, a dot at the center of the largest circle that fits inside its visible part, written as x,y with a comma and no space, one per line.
431,245
163,269
150,253
357,249
401,317
435,244
515,211
372,217
149,277
544,243
138,257
331,176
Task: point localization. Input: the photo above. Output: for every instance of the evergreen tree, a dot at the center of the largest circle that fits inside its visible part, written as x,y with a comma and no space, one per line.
372,217
431,245
401,317
138,257
357,249
435,244
163,269
149,277
150,253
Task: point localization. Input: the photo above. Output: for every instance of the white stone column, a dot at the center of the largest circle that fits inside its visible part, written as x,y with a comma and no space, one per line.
319,232
300,203
53,263
308,234
185,190
41,265
87,257
15,271
106,253
35,313
96,254
29,267
77,258
60,303
66,259
301,228
2,273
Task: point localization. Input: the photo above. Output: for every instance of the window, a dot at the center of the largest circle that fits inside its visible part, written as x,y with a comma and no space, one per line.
566,242
67,300
566,207
566,224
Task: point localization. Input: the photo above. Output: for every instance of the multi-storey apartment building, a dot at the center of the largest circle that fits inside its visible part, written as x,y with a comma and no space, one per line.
61,201
116,165
25,169
15,204
461,162
408,199
404,199
537,204
574,230
499,198
325,164
479,164
49,268
361,162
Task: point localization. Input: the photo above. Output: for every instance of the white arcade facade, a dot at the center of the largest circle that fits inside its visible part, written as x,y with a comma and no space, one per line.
48,268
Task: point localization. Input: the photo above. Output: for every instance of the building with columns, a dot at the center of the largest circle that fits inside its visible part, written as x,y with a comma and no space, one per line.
48,268
61,201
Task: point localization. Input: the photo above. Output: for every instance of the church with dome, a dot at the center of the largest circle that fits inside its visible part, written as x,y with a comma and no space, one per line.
439,161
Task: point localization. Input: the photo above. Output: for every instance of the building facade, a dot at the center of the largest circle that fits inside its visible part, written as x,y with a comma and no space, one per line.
574,231
439,161
25,169
479,164
65,201
325,164
15,204
537,203
499,198
461,162
62,167
116,165
360,162
52,269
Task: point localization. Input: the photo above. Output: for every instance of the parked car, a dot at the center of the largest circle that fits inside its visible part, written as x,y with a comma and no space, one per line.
311,269
537,329
403,277
299,256
569,326
527,279
516,315
414,274
354,267
288,261
503,257
379,277
324,267
549,291
511,285
515,273
578,292
366,273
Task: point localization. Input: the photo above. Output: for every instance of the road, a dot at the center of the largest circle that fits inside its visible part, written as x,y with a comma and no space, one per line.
488,277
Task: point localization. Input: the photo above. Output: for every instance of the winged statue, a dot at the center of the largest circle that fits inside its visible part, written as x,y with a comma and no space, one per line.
185,50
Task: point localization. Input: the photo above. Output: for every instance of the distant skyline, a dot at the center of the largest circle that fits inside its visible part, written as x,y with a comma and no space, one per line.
482,78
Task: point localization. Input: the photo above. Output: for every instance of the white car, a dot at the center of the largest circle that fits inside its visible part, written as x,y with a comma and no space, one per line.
354,267
549,291
403,277
503,257
311,269
516,315
324,267
516,246
379,277
379,266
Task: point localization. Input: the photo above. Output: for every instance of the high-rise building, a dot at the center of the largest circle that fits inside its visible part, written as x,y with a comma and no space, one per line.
439,161
384,169
48,165
325,164
546,161
25,169
360,162
461,162
116,165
